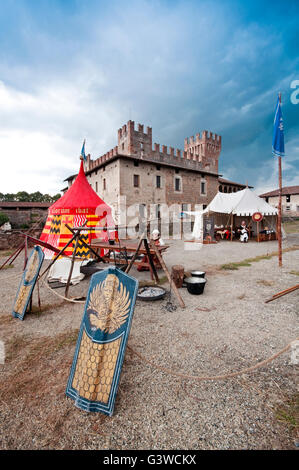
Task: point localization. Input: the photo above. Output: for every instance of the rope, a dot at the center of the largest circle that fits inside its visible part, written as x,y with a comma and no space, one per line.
214,377
62,296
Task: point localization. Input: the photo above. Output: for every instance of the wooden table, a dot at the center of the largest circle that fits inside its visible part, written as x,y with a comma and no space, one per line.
128,246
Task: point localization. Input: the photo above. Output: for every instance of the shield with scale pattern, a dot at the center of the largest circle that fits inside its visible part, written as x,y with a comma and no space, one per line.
102,340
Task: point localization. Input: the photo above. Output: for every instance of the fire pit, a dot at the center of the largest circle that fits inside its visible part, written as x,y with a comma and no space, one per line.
151,293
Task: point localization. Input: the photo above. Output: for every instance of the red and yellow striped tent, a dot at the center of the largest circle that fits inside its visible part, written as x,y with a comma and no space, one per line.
78,205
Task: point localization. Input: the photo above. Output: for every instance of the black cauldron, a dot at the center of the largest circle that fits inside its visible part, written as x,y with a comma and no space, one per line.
195,285
198,273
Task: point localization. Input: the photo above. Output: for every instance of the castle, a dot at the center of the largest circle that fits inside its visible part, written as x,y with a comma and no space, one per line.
155,175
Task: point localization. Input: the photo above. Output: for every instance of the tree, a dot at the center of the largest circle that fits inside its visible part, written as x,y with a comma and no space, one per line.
3,219
22,196
36,197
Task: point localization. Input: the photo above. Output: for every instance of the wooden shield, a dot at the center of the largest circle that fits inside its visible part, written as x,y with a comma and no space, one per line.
27,283
102,340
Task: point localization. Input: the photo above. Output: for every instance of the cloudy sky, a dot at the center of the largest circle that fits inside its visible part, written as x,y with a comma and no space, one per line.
75,69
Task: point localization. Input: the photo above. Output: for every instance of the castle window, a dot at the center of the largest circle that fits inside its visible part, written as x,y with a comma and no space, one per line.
177,184
267,199
136,181
288,198
203,187
96,186
158,181
158,167
104,184
220,188
141,146
177,171
136,163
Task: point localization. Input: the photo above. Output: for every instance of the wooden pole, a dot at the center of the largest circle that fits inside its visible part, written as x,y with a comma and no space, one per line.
181,302
151,263
13,256
25,253
136,253
279,209
57,256
284,292
72,266
257,230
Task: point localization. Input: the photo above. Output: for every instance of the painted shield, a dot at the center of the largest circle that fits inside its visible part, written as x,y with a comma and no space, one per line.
102,340
27,283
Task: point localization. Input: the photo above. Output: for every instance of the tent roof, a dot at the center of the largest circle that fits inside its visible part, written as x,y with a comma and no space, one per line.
80,197
243,202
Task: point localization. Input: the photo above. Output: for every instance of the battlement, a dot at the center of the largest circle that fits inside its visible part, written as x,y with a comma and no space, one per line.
202,151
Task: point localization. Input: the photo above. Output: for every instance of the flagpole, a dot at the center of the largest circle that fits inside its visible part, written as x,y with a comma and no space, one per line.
279,207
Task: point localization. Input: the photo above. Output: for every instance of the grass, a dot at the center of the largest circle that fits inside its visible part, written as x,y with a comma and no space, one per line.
32,349
264,282
248,261
7,266
6,253
288,413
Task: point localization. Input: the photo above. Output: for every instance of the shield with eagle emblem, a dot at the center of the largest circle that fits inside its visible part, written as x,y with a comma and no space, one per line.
102,340
28,282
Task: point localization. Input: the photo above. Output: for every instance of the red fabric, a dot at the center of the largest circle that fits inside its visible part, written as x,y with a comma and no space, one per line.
80,198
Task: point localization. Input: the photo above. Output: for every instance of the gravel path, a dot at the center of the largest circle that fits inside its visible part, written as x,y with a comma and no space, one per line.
226,329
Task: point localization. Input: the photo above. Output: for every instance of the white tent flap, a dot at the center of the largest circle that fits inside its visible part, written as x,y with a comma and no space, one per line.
241,203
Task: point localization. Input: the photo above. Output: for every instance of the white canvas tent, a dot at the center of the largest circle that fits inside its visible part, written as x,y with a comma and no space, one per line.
241,203
226,206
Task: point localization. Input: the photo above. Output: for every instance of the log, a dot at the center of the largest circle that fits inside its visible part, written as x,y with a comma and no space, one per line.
172,284
177,274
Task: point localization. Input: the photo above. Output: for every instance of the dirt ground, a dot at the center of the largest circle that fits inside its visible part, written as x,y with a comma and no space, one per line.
227,329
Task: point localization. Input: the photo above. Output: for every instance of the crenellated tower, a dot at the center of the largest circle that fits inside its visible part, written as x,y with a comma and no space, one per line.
134,142
204,148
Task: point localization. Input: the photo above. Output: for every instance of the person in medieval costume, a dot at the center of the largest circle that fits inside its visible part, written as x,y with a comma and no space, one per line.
243,232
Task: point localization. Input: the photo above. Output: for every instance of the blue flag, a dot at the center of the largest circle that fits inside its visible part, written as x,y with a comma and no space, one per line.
83,151
278,136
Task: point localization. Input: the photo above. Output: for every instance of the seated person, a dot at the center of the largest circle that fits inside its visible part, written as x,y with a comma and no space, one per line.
243,230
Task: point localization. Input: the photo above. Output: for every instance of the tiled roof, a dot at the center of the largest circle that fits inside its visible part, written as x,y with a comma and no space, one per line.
224,181
8,204
286,190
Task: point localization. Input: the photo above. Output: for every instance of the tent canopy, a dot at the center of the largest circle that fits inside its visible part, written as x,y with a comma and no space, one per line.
79,206
79,198
242,203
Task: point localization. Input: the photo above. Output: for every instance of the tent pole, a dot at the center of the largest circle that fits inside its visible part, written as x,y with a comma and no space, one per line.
279,215
279,207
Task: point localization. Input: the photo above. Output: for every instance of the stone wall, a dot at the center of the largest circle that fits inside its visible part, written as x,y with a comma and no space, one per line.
11,240
18,217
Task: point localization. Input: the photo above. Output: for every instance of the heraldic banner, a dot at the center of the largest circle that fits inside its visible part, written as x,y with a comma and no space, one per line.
102,340
28,281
